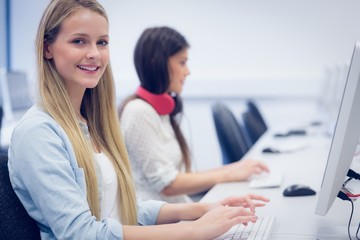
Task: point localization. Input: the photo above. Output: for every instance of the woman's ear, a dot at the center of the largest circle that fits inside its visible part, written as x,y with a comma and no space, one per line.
47,51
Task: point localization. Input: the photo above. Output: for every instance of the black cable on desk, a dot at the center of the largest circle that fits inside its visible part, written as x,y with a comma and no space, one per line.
344,197
352,175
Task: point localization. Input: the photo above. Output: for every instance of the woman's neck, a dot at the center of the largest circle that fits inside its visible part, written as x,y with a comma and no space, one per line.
80,117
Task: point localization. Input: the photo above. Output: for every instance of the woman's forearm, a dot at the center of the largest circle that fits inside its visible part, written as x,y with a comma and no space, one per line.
191,183
171,213
168,222
159,232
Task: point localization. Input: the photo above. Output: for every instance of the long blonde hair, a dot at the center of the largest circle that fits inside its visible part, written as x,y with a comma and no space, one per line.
98,107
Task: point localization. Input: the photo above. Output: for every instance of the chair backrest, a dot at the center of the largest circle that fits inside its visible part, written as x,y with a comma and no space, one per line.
3,149
1,120
15,223
230,135
253,121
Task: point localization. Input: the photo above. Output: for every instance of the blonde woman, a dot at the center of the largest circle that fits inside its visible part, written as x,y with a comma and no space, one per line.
67,161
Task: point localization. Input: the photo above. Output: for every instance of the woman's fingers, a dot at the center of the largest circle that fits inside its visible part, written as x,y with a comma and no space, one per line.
241,215
246,199
258,197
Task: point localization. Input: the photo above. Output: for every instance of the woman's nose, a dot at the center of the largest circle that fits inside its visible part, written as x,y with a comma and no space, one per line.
93,52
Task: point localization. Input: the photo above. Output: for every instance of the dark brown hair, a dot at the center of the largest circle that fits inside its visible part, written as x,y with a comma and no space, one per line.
152,52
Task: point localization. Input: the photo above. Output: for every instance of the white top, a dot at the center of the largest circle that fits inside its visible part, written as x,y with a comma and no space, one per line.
154,152
109,190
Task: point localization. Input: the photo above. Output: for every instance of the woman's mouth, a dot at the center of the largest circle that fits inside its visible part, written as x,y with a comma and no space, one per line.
88,68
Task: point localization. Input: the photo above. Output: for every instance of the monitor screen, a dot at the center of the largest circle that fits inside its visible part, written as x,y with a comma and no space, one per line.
345,138
15,94
19,92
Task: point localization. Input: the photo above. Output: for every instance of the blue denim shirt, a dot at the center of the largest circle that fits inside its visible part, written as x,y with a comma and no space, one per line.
48,181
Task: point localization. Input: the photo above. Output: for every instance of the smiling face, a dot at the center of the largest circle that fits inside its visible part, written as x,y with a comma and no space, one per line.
178,71
80,51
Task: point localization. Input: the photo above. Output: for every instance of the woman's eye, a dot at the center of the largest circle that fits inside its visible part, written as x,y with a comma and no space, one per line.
103,43
78,41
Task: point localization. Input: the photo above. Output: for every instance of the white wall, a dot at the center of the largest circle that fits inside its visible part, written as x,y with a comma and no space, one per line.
238,48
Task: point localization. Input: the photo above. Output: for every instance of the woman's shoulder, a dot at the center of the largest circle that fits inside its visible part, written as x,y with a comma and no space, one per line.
35,120
138,106
35,116
138,113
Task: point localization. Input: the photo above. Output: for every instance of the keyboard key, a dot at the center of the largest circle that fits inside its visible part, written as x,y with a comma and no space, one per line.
260,230
266,180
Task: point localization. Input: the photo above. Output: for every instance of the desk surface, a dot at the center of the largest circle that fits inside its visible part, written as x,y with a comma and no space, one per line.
295,217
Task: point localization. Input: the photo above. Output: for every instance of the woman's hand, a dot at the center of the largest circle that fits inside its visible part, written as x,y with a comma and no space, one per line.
220,219
224,214
212,219
242,170
250,201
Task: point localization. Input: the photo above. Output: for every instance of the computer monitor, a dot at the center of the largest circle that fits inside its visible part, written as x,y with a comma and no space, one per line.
14,93
345,138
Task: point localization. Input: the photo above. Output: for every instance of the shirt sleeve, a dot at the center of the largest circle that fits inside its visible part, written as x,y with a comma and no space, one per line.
148,211
50,187
141,127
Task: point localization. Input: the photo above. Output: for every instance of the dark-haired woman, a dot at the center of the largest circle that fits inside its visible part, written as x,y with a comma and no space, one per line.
158,151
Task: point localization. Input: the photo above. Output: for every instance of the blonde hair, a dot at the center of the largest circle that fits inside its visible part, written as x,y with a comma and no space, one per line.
98,107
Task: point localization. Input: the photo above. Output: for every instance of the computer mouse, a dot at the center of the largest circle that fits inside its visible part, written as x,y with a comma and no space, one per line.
296,190
270,150
292,132
297,132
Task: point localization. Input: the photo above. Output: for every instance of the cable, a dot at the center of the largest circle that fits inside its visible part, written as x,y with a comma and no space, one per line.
344,197
351,215
347,180
347,197
350,195
352,174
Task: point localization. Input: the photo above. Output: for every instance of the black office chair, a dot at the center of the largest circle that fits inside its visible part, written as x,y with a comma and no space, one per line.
15,223
231,136
1,115
253,121
3,150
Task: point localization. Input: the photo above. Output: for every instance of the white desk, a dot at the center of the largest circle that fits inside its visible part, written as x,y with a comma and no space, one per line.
295,218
